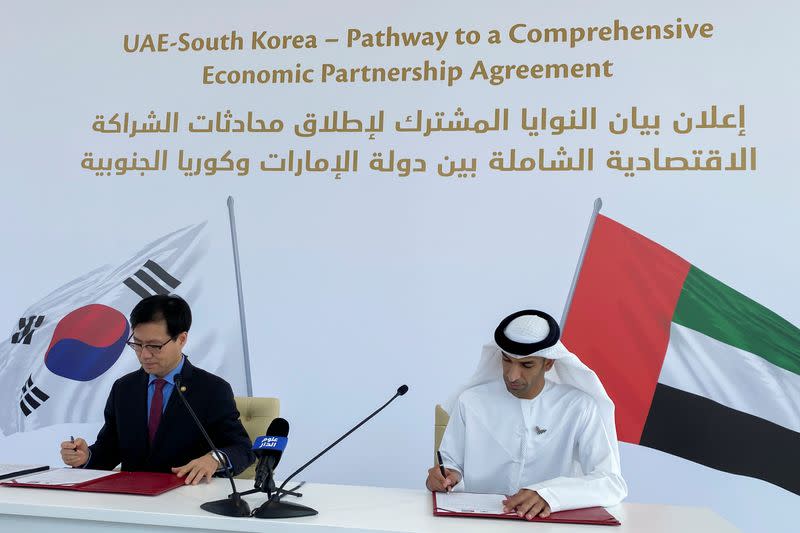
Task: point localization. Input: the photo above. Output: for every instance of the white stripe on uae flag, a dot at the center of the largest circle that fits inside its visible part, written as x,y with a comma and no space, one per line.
735,378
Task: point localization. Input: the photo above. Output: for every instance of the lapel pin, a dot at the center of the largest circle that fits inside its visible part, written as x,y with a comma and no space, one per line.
539,430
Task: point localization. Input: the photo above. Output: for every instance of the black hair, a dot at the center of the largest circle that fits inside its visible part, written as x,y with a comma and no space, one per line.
167,307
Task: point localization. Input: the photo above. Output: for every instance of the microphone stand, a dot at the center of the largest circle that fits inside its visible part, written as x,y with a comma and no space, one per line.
233,505
275,508
269,487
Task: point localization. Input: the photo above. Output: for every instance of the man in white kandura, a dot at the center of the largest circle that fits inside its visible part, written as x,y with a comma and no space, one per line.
548,443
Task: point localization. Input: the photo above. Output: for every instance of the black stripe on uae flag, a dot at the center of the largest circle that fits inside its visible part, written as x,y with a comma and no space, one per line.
714,435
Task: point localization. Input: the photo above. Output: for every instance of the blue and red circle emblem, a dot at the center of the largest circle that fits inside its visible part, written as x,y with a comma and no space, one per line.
87,342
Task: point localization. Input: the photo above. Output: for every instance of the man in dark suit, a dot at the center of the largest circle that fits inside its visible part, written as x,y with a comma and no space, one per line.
147,427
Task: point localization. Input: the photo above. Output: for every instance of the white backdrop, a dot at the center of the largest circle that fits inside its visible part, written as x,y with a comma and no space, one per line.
355,286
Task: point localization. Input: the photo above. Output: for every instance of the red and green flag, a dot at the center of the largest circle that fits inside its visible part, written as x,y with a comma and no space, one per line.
695,368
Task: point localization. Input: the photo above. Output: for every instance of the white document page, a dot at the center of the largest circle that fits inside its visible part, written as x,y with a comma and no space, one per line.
470,502
63,476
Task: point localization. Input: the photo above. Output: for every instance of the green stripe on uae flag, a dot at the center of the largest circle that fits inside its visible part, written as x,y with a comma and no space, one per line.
695,368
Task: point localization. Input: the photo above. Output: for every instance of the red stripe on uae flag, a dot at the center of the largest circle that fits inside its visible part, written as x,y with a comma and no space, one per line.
620,315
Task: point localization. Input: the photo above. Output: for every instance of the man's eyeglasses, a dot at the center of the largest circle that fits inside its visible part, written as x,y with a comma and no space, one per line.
154,349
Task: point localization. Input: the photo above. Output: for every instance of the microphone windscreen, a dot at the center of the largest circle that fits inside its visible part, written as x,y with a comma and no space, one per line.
402,389
279,427
274,442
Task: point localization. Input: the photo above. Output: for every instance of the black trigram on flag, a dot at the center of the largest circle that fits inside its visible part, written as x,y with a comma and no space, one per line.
32,397
151,279
27,326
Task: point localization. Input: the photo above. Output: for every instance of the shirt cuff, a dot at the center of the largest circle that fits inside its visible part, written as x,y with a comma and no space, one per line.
224,462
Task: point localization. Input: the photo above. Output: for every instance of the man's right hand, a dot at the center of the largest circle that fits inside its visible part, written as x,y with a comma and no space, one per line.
76,453
436,482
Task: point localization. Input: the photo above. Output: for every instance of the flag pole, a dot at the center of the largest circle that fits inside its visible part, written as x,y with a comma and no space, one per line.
242,321
598,203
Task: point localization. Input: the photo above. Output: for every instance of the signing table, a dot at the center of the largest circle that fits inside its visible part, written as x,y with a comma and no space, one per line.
342,509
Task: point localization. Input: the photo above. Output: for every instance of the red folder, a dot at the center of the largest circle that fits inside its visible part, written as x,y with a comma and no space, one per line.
141,483
590,515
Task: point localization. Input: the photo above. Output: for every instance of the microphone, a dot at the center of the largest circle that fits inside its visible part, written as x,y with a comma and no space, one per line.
275,508
233,505
269,449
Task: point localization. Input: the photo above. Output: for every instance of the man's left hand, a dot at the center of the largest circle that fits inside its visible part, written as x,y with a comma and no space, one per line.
527,504
196,470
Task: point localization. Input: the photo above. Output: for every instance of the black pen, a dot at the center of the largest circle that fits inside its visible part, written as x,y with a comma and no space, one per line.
441,467
441,464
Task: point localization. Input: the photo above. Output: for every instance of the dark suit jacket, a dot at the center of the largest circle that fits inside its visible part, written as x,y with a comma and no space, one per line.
123,438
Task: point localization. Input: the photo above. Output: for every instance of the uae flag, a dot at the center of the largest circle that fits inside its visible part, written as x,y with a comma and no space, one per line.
695,368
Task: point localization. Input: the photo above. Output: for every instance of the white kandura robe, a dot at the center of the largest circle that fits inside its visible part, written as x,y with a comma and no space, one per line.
493,442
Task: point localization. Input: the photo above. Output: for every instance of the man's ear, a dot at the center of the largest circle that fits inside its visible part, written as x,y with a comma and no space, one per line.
548,364
181,339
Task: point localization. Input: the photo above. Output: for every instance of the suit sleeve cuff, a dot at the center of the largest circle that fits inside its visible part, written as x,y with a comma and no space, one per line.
89,460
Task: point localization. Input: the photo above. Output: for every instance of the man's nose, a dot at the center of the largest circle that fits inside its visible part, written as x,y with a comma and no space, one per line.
513,373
